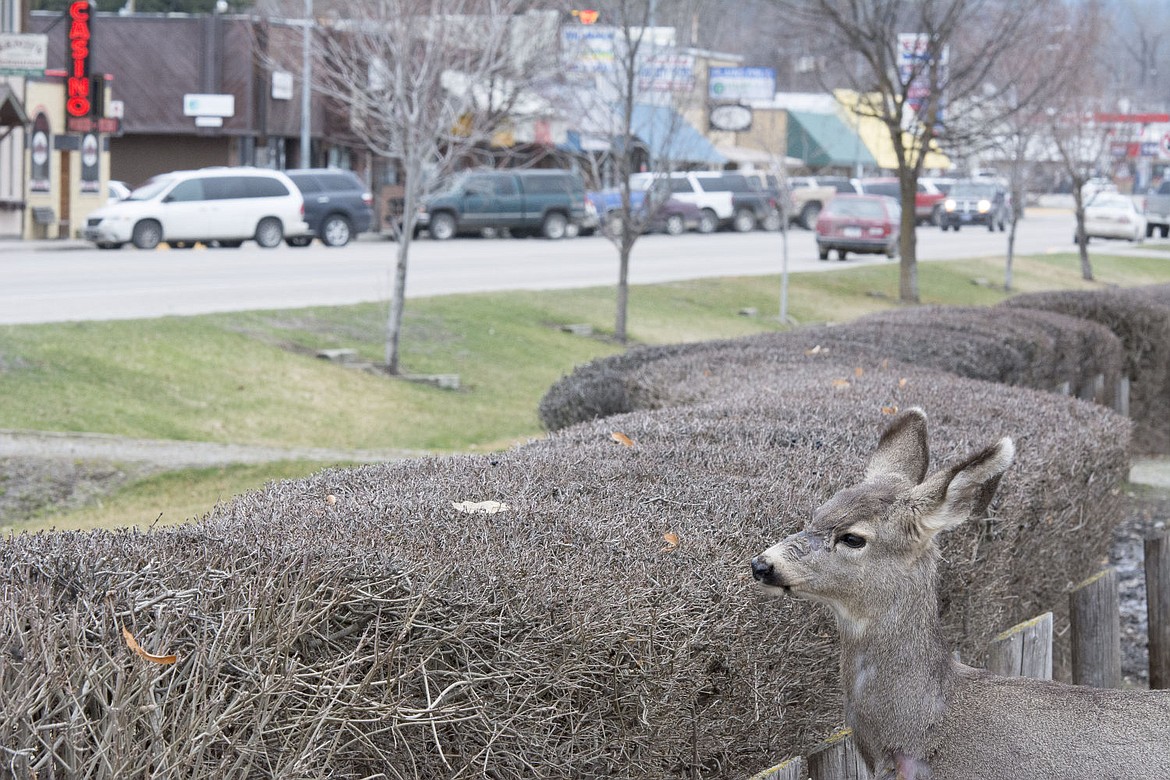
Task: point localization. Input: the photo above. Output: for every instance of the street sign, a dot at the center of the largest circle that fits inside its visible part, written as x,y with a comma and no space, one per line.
736,84
209,105
23,54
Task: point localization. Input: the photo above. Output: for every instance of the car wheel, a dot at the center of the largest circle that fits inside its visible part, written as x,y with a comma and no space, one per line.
442,226
147,234
299,241
744,221
1166,231
554,226
269,233
892,251
809,214
1149,231
572,230
774,221
675,225
841,255
708,222
336,231
936,215
991,226
823,253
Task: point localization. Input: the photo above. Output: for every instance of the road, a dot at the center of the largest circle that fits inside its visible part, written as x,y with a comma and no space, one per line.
89,284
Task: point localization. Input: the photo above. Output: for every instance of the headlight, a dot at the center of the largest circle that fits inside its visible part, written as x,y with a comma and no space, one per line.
950,204
984,206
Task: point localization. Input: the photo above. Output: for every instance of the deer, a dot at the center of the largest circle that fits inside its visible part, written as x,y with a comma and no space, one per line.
916,712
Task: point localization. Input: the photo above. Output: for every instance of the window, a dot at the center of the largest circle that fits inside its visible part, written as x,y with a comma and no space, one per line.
186,191
223,188
263,187
546,185
506,186
338,181
307,184
882,188
679,184
727,183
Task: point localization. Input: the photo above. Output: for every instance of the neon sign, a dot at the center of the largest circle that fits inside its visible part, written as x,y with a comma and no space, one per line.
77,83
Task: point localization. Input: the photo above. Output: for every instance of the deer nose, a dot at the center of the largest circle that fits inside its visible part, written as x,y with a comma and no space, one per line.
761,569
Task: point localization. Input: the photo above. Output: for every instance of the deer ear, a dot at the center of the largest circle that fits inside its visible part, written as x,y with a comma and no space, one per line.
952,495
902,450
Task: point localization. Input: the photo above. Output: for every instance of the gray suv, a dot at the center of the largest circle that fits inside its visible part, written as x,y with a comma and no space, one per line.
524,202
337,205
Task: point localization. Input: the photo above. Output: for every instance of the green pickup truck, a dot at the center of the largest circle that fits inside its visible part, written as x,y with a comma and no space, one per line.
546,202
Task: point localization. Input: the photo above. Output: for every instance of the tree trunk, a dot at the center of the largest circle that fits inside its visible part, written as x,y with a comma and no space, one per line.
1082,239
397,302
1011,253
625,248
908,241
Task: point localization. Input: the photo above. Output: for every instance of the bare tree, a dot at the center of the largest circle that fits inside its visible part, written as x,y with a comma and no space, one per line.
913,64
633,97
425,83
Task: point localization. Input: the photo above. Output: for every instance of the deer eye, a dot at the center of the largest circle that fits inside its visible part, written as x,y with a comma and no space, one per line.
852,541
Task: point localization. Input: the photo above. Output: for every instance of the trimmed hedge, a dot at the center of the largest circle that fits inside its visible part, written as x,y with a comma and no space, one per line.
1141,319
355,624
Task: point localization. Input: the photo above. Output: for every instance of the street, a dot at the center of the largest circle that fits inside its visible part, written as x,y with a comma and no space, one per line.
90,284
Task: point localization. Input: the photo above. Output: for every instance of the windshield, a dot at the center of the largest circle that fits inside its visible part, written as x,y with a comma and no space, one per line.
865,208
151,189
973,191
1111,200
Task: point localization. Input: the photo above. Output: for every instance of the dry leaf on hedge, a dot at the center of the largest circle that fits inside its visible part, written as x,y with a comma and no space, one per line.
480,507
840,384
621,438
859,371
903,382
132,643
331,499
889,410
671,541
814,351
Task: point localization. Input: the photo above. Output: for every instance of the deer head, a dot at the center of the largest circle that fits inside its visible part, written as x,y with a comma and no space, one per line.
871,546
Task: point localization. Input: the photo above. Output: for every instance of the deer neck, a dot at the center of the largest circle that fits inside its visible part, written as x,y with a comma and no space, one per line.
896,669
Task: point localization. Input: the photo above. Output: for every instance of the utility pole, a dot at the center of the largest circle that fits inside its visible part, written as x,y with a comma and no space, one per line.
306,76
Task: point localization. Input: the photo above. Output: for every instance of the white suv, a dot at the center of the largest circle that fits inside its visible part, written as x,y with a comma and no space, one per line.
717,208
226,205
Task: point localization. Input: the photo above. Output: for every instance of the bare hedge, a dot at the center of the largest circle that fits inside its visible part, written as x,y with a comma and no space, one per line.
1141,319
1021,347
356,625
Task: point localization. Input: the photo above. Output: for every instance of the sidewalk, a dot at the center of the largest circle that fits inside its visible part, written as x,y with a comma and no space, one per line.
43,244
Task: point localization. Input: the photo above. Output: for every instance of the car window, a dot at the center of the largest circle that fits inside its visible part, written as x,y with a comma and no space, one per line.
882,188
186,191
725,183
843,186
680,184
223,187
307,183
338,181
263,187
546,185
973,191
505,185
856,207
151,189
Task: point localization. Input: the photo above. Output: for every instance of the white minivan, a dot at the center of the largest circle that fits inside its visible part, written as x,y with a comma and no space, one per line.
227,206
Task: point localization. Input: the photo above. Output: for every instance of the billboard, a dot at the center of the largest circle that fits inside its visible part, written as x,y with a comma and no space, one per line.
914,63
23,54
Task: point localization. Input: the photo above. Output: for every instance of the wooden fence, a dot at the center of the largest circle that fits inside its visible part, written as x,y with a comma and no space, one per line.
1025,650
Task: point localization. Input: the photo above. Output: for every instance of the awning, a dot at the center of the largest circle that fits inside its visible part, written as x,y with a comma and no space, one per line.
745,155
672,138
876,136
12,113
823,139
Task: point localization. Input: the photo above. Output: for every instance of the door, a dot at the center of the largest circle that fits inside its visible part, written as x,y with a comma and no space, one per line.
185,213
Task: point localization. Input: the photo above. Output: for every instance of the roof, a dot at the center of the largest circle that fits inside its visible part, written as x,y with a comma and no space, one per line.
671,137
823,139
876,136
12,113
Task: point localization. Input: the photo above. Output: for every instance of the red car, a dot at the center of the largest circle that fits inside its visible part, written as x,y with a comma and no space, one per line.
865,224
928,200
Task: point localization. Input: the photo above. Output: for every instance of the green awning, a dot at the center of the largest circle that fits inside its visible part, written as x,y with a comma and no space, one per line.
823,139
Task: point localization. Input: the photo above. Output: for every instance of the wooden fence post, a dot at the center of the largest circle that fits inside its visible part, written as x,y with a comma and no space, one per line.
788,769
1095,614
1158,608
1024,650
837,758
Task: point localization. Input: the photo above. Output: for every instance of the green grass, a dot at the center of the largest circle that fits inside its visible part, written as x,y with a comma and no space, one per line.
253,378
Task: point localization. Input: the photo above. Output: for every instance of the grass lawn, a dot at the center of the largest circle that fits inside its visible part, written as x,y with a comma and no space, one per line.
253,377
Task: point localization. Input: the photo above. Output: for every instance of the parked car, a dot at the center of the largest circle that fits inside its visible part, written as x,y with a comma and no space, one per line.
1113,215
523,202
227,206
977,202
753,204
338,205
671,216
116,191
865,224
716,207
928,200
811,193
1158,210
